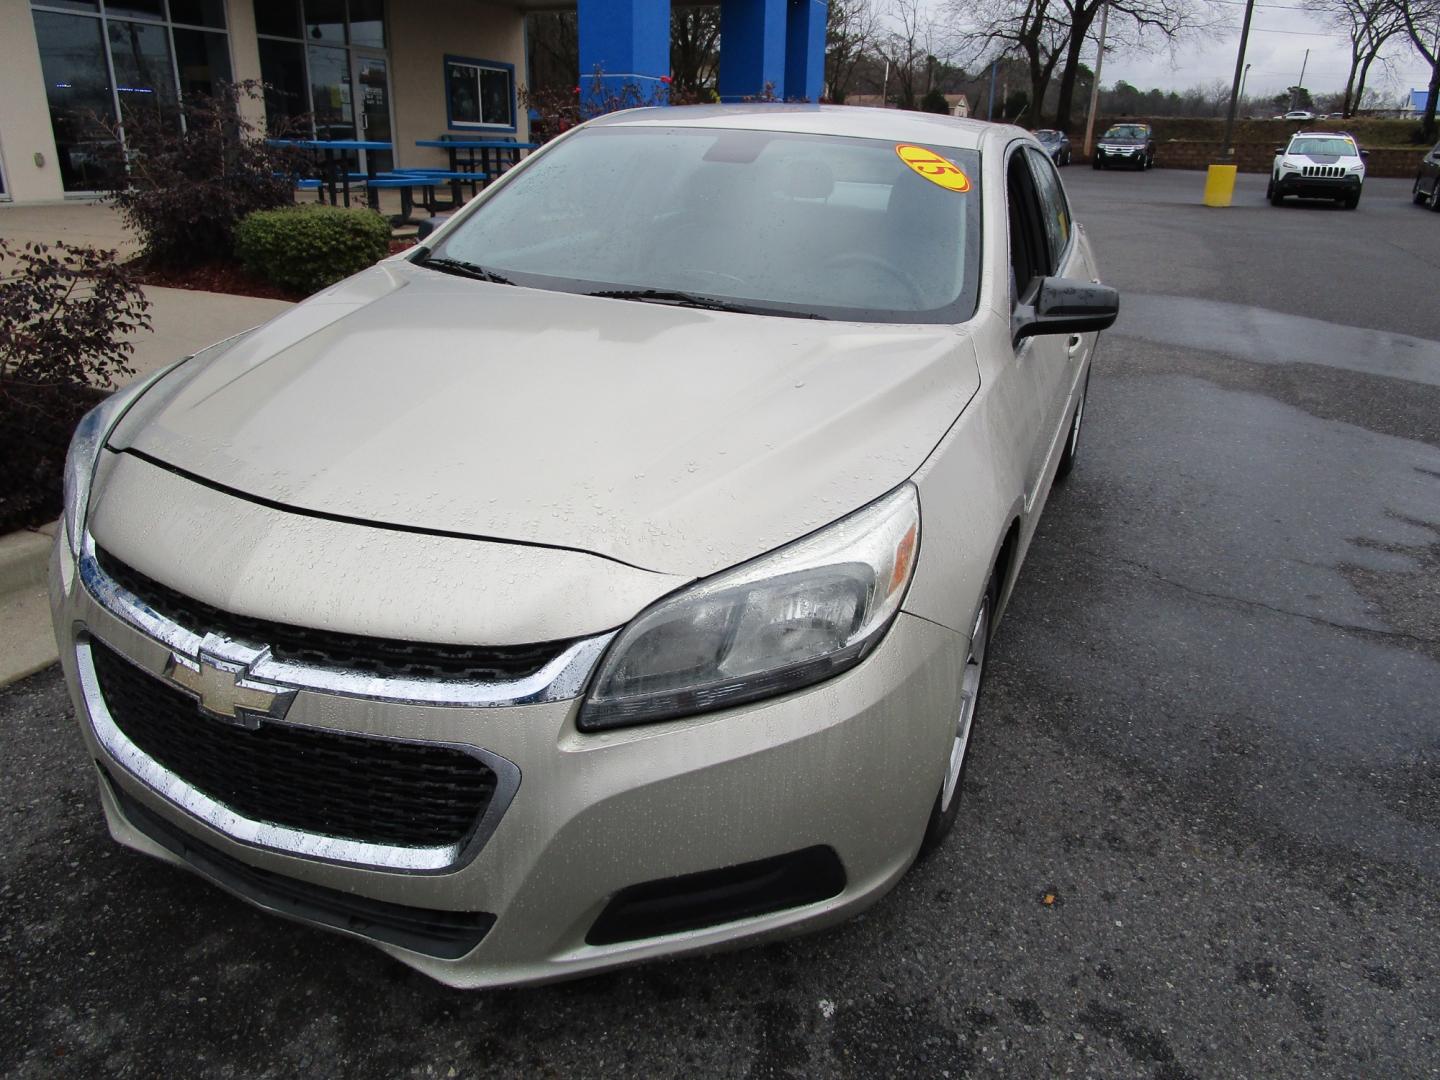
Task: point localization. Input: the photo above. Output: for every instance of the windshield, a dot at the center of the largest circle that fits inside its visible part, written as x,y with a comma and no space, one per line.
777,223
1313,147
1127,131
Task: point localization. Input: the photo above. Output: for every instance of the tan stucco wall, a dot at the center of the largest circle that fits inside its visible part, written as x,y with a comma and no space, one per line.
245,55
421,35
24,114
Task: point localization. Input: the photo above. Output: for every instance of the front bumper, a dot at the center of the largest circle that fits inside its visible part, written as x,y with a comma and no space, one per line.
851,765
1124,155
1319,187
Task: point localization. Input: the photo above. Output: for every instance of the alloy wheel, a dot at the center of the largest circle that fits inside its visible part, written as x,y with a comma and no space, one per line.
969,696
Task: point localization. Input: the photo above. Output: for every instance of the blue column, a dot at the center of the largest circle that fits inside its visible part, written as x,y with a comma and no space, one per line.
805,49
752,48
629,41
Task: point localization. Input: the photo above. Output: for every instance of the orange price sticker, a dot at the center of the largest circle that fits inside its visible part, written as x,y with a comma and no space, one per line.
934,168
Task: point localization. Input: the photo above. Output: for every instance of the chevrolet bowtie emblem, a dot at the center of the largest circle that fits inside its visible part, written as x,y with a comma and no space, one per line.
223,691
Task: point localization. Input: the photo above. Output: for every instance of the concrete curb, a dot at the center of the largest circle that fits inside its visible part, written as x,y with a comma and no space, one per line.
25,557
27,642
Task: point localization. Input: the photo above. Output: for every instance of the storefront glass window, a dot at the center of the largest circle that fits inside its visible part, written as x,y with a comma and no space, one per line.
480,94
278,17
209,13
77,85
325,21
367,23
330,99
202,59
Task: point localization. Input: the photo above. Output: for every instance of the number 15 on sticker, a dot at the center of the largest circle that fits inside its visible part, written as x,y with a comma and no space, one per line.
934,168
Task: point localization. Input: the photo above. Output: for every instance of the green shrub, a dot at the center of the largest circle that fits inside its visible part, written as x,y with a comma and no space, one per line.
309,247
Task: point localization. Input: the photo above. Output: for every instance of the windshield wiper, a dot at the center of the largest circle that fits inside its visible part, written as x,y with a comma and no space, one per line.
708,303
461,268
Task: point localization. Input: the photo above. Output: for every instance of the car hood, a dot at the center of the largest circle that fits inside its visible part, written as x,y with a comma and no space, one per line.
1129,140
672,439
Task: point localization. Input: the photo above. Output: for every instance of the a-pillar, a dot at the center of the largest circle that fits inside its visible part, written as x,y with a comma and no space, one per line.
805,50
628,42
752,48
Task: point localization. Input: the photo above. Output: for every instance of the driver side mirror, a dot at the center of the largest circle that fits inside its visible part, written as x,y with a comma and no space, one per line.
1062,306
1279,149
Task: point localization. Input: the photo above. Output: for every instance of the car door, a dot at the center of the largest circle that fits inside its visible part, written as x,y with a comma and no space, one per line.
1041,222
1431,169
1039,359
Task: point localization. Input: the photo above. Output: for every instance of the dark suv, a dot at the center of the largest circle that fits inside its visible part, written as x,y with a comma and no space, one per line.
1126,144
1427,180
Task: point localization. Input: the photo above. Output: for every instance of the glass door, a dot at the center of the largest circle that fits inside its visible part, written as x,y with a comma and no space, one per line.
372,91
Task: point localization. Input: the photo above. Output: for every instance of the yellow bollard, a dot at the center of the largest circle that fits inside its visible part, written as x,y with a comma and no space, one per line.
1219,185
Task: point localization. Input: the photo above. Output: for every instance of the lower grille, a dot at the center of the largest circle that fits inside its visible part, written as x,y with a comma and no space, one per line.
448,935
354,787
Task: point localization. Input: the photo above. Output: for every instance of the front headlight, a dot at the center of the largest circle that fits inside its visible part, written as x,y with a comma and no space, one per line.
1290,166
90,435
783,621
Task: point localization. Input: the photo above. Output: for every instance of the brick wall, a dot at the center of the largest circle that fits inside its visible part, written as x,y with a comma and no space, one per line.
1257,158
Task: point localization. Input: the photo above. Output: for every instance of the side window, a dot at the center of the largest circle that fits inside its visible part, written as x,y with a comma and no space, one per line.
1029,252
1054,207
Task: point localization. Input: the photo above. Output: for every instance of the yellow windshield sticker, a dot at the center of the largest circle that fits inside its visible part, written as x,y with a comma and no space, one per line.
934,168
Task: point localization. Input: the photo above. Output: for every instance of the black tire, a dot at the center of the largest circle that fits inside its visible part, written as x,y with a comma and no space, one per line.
1352,201
1072,439
1416,195
1095,164
1435,195
943,813
1276,199
1270,189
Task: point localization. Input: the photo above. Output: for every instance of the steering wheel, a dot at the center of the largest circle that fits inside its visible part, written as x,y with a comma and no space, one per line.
875,262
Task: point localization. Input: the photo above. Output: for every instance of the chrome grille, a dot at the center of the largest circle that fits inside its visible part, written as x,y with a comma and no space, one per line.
382,657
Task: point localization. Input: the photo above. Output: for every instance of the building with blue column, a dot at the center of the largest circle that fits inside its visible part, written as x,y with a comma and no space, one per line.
774,46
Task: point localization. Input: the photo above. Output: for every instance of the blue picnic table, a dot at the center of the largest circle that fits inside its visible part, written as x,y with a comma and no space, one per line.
492,151
335,172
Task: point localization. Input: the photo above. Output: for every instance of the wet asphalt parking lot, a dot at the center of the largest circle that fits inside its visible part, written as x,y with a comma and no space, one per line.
1211,735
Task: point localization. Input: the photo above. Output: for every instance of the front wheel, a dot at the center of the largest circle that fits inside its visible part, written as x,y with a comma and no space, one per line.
1352,201
1416,195
1072,441
1275,197
972,681
1435,195
1095,164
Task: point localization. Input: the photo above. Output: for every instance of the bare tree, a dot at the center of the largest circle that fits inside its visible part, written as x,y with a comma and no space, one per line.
1422,24
694,47
1130,22
1034,29
910,45
850,33
1368,24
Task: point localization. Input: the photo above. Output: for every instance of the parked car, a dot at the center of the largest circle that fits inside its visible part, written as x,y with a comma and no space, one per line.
1427,180
1056,144
1318,165
1125,144
611,575
1298,114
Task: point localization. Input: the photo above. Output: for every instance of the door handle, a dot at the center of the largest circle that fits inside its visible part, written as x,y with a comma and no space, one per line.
1074,344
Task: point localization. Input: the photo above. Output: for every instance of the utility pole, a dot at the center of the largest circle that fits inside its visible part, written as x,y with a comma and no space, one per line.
1295,94
1227,146
1095,87
885,86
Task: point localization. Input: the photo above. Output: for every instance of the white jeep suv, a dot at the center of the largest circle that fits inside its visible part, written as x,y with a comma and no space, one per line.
1318,165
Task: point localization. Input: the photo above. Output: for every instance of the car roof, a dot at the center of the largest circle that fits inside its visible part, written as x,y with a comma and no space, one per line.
893,125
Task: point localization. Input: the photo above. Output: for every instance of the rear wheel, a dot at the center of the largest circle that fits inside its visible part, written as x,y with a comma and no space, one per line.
1435,195
972,680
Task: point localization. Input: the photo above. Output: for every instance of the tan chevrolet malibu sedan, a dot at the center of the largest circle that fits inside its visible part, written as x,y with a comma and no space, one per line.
609,577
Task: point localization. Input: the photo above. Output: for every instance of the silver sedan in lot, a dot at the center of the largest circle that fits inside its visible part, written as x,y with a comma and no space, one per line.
612,575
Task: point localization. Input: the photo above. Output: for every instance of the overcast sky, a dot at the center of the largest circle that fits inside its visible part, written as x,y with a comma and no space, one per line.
1279,35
